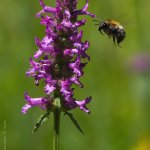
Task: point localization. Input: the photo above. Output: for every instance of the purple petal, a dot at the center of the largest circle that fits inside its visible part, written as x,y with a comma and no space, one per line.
31,102
82,104
84,11
35,67
25,108
45,44
79,23
34,101
46,9
76,81
38,54
65,88
77,67
49,88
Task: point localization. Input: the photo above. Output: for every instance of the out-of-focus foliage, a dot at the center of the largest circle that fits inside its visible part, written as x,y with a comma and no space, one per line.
120,110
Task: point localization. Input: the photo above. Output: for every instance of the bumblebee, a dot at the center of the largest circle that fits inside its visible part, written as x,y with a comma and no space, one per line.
113,29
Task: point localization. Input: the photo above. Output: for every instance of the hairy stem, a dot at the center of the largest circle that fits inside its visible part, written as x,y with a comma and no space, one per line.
57,113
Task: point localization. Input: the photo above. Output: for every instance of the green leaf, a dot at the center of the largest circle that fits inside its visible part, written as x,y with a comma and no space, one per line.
40,121
74,121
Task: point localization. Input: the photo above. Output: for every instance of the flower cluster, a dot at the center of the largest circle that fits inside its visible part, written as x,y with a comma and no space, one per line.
59,59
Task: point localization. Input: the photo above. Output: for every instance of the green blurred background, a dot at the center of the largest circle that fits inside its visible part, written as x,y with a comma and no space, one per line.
119,118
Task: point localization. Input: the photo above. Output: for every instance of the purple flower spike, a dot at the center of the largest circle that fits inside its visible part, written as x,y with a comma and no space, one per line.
60,57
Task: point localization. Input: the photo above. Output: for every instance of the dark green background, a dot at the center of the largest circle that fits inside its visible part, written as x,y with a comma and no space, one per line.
120,112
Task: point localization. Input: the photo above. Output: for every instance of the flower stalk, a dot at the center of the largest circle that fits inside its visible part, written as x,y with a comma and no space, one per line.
57,114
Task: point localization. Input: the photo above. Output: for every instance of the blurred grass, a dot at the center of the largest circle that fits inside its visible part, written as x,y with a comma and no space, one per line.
120,111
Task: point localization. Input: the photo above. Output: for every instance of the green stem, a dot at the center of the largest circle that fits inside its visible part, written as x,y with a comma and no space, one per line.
57,113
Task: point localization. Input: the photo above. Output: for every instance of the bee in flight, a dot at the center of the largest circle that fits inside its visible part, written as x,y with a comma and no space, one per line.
113,29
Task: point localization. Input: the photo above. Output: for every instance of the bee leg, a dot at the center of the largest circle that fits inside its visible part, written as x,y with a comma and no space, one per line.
118,43
100,30
114,40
